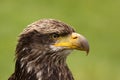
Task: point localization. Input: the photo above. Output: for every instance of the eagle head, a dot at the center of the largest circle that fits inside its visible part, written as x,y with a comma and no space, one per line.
42,50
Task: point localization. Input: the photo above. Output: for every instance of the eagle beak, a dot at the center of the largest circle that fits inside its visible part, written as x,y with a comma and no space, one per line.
73,41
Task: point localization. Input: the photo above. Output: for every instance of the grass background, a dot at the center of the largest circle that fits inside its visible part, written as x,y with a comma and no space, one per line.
97,20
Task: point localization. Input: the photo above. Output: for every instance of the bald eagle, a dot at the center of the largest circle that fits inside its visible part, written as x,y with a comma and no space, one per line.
42,50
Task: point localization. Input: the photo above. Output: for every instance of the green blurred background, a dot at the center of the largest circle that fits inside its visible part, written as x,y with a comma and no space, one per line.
97,20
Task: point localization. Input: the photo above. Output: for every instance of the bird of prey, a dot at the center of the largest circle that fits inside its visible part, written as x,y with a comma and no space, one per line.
42,50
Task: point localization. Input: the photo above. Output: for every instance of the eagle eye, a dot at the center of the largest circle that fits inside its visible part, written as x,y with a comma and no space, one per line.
55,35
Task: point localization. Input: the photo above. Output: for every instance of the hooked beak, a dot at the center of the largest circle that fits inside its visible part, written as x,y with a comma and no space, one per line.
73,41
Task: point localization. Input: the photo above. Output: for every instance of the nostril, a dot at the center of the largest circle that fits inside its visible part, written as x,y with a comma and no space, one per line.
75,37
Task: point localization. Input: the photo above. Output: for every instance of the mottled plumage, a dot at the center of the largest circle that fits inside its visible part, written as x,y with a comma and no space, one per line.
42,50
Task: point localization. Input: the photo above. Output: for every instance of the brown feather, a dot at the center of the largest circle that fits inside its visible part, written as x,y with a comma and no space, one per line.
35,58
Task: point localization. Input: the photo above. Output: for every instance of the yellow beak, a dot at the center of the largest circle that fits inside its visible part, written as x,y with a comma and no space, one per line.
73,41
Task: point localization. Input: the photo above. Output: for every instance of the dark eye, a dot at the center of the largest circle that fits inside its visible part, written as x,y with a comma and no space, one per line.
54,36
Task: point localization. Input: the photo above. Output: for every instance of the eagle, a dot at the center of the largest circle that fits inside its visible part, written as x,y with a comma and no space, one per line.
42,50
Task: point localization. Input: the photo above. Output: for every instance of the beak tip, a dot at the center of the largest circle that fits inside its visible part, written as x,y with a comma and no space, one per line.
87,52
86,47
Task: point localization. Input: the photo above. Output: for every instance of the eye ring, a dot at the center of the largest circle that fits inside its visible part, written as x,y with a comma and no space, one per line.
55,36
